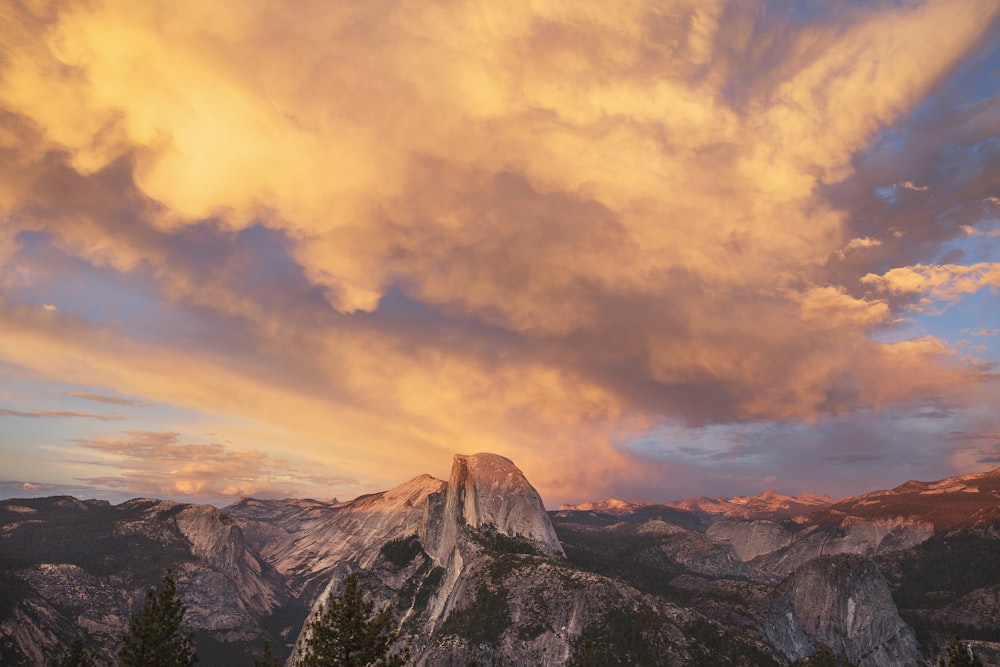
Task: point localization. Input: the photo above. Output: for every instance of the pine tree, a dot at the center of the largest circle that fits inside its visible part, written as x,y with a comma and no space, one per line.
960,655
347,632
154,638
266,659
77,656
822,657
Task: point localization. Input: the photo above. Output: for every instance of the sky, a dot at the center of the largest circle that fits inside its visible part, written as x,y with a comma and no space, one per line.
643,249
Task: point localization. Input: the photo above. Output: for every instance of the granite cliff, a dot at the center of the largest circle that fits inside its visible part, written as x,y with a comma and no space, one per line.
476,570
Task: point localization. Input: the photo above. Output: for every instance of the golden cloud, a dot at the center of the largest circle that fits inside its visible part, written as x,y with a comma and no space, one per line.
609,227
946,282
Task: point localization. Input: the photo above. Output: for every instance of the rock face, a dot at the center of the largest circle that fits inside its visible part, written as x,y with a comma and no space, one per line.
851,535
305,540
476,570
844,603
487,490
88,565
486,496
751,539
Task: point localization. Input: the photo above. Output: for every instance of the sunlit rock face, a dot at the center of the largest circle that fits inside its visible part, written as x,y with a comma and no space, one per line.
492,491
844,603
473,570
487,490
305,540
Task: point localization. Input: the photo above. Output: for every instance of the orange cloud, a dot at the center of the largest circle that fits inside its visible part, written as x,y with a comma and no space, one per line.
947,282
156,463
604,217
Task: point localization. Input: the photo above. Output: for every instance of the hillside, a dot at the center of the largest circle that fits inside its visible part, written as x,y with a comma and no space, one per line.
476,570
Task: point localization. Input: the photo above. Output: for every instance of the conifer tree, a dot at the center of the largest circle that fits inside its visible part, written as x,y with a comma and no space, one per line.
154,638
266,659
822,657
347,632
960,655
76,656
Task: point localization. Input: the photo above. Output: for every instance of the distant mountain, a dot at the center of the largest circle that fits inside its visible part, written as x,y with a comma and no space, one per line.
609,506
948,503
477,571
767,505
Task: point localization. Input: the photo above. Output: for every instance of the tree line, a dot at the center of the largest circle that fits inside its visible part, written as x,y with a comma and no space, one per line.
347,631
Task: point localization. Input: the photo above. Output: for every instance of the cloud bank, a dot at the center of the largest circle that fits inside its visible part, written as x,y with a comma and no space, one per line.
547,229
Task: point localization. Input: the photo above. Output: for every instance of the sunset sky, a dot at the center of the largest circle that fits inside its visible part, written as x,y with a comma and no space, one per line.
643,249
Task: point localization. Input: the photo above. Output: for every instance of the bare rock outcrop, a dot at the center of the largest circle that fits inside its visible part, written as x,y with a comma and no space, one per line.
486,498
751,539
842,602
852,535
487,490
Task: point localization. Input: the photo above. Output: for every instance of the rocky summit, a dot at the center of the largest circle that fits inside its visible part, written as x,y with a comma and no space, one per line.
476,571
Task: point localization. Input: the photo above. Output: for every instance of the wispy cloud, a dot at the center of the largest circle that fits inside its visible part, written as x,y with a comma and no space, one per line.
111,400
44,414
160,464
12,487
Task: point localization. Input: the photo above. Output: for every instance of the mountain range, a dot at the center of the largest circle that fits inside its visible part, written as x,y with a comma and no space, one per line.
475,569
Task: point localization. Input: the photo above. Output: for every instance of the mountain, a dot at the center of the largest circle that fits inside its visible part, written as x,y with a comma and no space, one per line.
608,506
68,566
935,544
477,571
946,504
768,505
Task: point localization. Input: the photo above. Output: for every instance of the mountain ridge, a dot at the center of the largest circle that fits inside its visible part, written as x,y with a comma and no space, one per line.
476,569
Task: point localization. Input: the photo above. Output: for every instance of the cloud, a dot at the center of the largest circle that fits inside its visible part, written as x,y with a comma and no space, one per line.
13,487
159,464
111,400
947,282
43,414
860,244
398,231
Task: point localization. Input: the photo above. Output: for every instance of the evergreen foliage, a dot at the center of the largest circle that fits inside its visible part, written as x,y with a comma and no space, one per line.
587,657
402,550
347,632
715,645
959,654
266,659
154,638
822,657
488,536
625,636
484,620
76,656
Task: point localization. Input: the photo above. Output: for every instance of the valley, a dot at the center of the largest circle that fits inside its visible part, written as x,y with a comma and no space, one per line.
475,569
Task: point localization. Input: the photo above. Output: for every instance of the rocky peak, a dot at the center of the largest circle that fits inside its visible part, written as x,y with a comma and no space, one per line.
947,503
487,490
768,505
608,506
